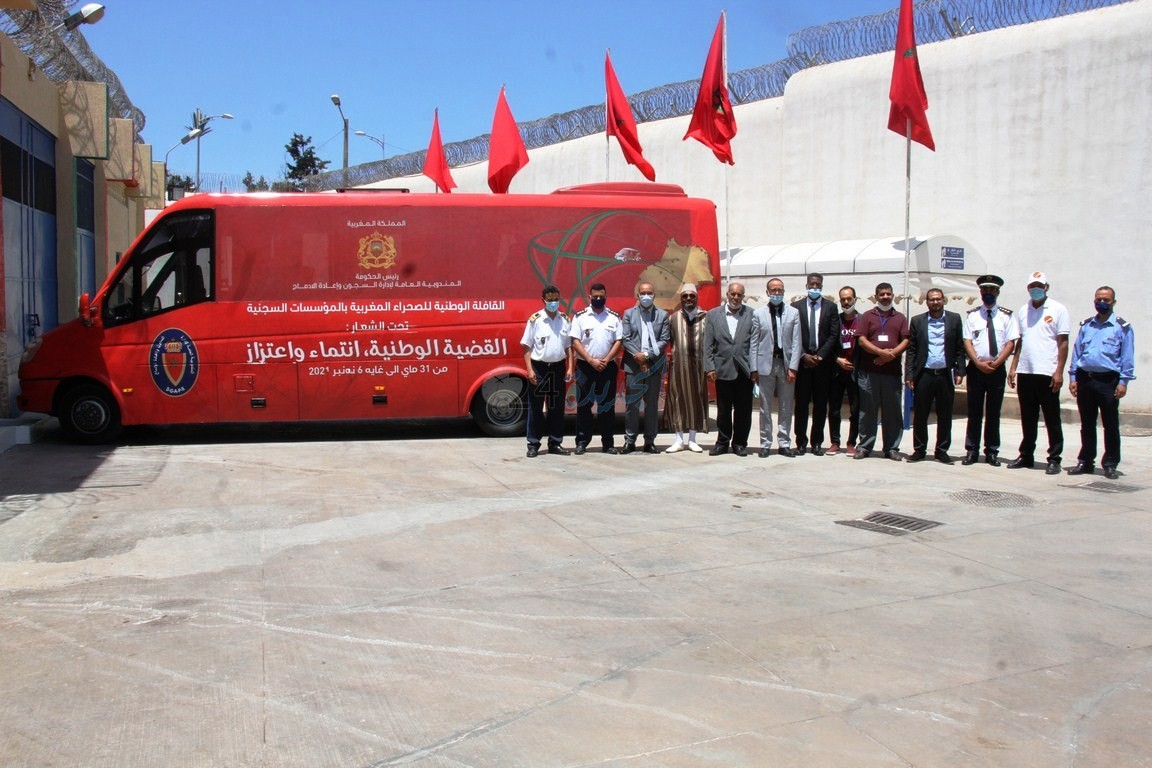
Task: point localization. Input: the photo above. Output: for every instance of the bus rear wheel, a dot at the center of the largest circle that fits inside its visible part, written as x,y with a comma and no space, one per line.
500,408
89,414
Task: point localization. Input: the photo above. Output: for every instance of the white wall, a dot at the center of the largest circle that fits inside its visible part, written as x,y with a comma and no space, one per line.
1043,161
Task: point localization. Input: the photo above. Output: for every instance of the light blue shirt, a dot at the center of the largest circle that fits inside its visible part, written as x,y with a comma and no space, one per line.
936,343
1105,346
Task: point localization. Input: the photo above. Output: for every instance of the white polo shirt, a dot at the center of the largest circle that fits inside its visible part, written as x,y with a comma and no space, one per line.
1039,329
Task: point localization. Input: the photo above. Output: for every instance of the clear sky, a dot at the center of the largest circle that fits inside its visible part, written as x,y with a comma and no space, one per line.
274,65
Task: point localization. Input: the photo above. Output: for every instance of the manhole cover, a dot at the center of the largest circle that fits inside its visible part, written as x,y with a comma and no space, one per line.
1102,487
890,523
998,499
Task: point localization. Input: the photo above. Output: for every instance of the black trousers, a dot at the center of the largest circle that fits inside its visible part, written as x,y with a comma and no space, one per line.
843,385
1096,393
812,388
733,411
1036,396
933,388
546,393
595,388
985,399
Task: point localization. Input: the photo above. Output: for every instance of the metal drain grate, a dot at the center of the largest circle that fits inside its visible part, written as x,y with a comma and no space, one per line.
1103,487
890,523
998,499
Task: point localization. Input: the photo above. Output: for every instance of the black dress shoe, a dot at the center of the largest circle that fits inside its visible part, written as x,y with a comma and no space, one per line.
969,459
740,450
786,452
650,448
556,450
943,457
993,460
611,449
1082,468
533,451
801,450
862,453
1111,473
717,450
893,454
916,456
628,448
1053,468
818,451
1020,463
580,450
765,452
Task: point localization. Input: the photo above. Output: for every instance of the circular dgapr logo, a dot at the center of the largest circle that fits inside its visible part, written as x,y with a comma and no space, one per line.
173,362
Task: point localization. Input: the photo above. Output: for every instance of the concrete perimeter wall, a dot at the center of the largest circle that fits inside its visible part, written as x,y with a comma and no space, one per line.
1043,161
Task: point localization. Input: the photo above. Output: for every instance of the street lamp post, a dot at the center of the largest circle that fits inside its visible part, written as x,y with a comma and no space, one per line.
380,141
192,134
336,101
200,127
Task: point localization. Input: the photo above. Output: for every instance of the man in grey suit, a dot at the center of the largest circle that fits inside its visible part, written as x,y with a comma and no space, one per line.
728,364
645,340
776,355
934,365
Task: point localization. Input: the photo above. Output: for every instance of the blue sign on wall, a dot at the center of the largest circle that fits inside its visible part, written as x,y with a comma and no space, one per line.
951,257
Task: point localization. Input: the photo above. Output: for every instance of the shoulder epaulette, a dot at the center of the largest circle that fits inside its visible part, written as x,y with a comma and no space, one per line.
1005,310
1123,323
584,311
535,317
1086,321
974,309
613,312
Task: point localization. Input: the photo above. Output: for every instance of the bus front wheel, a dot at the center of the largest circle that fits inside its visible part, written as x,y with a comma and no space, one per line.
89,414
501,406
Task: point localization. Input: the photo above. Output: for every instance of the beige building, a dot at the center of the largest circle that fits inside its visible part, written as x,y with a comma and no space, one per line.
75,179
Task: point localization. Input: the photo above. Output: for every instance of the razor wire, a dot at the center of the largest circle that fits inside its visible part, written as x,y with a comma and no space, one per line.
63,55
936,20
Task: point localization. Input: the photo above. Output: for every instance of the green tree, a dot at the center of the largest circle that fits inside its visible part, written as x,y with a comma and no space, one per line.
304,161
254,185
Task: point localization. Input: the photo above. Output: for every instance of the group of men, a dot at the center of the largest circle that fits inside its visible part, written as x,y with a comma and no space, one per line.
802,360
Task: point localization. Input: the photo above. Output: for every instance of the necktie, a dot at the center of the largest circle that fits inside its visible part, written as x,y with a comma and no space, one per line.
776,349
812,326
993,347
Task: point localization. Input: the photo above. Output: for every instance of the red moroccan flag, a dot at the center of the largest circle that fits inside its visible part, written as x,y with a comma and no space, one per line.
909,101
436,162
621,124
506,151
713,122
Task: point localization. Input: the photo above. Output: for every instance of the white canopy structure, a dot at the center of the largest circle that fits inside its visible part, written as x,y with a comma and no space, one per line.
946,262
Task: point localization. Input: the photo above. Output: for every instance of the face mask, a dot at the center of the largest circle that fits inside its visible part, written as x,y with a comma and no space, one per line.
735,304
1103,307
849,309
776,299
598,303
1037,294
552,306
814,293
989,299
646,301
884,305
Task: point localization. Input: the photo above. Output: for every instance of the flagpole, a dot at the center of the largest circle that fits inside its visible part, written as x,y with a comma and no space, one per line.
907,210
727,236
607,140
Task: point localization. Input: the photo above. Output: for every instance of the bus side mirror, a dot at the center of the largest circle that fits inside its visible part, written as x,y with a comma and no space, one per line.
87,314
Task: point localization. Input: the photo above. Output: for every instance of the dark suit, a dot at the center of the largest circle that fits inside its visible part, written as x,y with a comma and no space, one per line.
813,384
934,387
643,386
730,356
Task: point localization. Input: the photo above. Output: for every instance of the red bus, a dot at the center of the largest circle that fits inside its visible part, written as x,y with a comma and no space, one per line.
357,305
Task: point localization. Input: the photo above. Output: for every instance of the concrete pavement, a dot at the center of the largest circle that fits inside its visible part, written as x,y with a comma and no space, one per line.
417,595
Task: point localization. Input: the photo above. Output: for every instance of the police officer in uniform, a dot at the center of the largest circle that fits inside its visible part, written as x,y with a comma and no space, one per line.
1103,362
547,344
990,334
597,335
